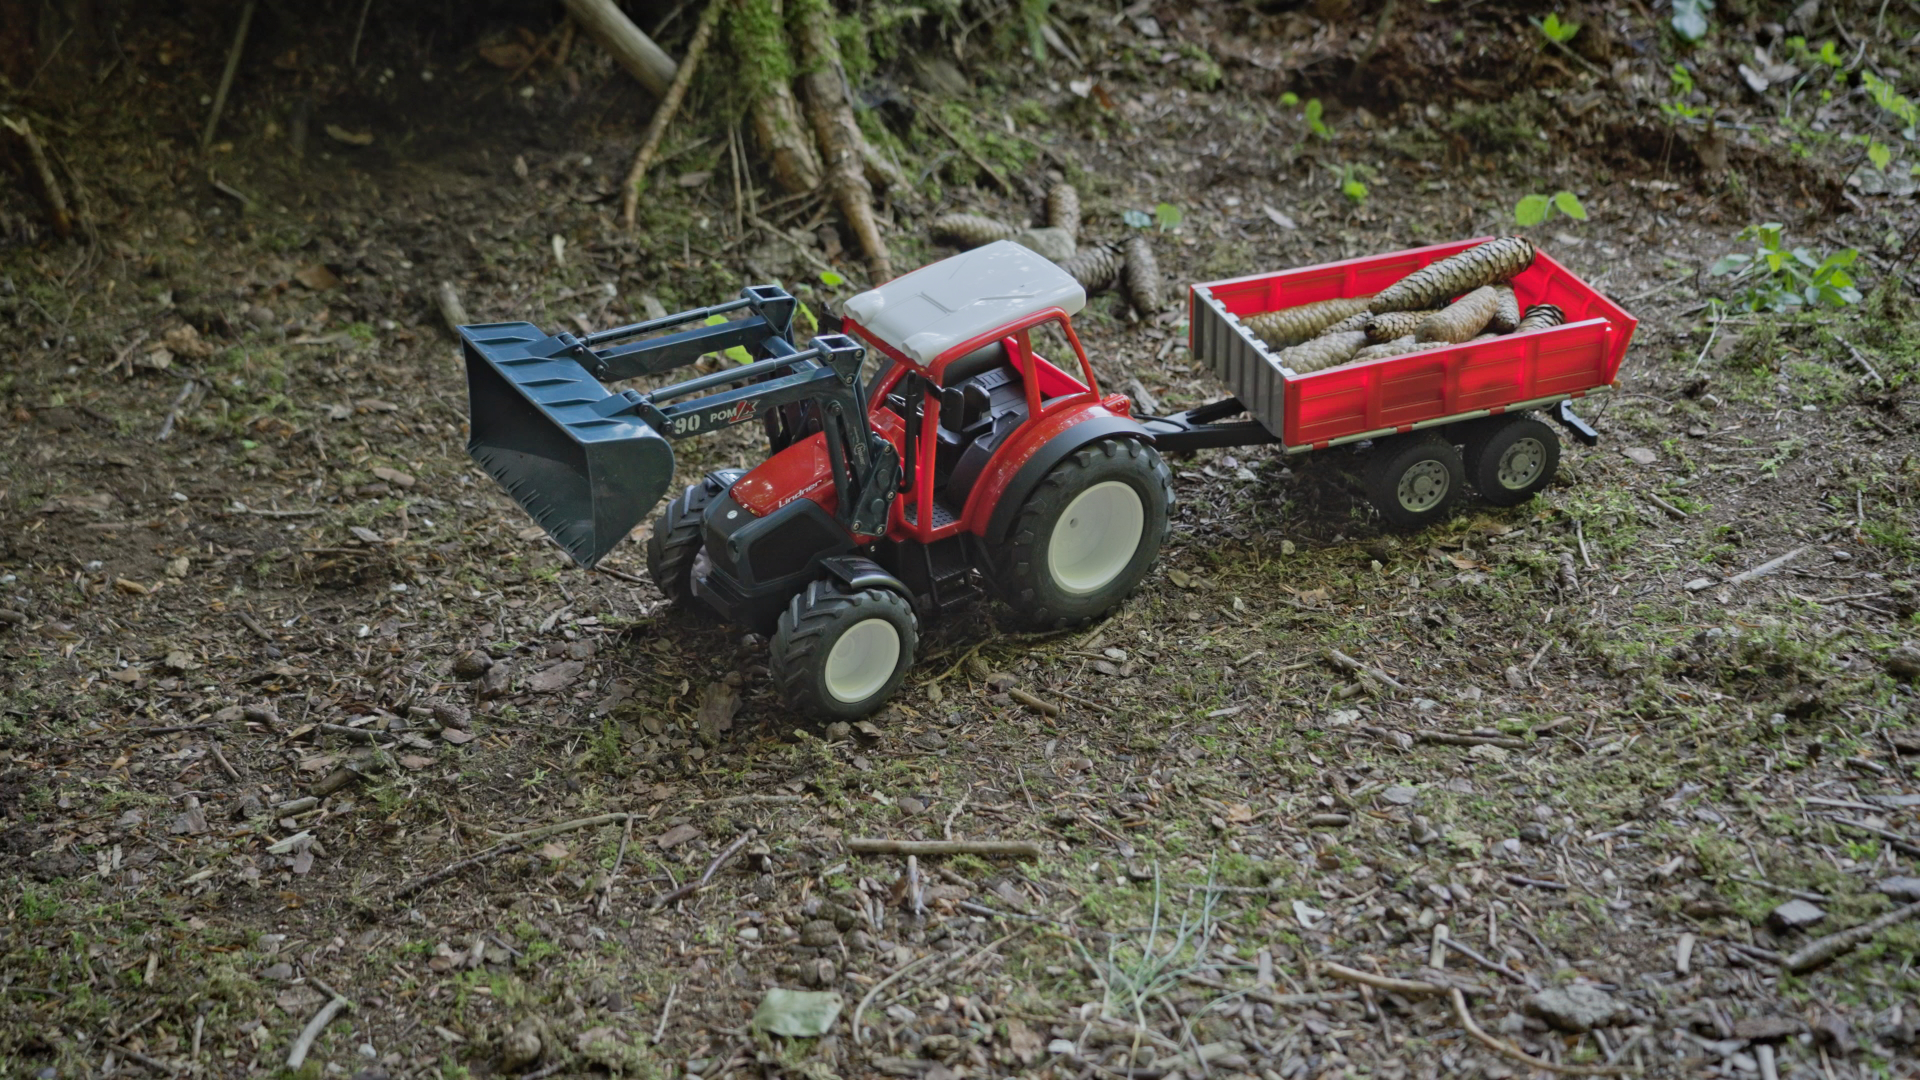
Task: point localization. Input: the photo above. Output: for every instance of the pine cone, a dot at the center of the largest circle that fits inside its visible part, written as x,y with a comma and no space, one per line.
1540,317
1357,321
1329,350
1506,311
1495,260
970,230
1141,274
1393,325
1094,267
1291,326
1461,319
1063,209
1397,347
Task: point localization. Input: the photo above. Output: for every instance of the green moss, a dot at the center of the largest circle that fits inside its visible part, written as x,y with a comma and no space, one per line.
759,46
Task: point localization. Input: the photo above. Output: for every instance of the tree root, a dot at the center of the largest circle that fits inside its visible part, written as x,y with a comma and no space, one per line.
841,142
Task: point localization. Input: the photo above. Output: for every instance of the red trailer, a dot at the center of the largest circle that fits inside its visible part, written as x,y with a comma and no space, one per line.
1418,407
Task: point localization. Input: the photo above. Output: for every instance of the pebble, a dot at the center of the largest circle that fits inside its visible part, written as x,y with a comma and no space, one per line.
1640,455
1576,1008
909,806
1906,889
1904,663
1795,915
819,934
1400,795
472,664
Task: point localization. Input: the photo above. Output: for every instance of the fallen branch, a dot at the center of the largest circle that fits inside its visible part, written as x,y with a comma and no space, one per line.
452,311
1900,843
544,831
173,413
719,860
1861,359
636,51
226,77
150,1062
669,106
1039,705
1447,738
1018,849
1765,568
860,1037
1667,506
1821,950
298,1055
445,872
49,184
1342,660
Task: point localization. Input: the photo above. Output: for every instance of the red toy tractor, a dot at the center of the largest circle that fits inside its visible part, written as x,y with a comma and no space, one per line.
966,450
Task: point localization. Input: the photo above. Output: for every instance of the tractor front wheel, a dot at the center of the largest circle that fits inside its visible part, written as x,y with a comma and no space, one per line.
843,654
678,543
1087,535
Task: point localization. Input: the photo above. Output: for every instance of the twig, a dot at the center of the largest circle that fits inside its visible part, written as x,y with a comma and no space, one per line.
298,1055
1821,950
1538,883
1019,849
620,574
252,624
49,184
353,51
1507,1050
1714,333
1446,738
947,829
664,113
1765,568
1342,660
798,244
1039,705
226,84
1491,965
225,766
1667,506
1380,982
666,1012
915,899
173,414
626,836
858,1036
1901,843
1860,359
964,148
692,887
575,825
452,311
438,876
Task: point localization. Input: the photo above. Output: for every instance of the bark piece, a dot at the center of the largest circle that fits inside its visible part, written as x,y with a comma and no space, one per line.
1141,275
1063,208
1291,326
970,230
831,115
1461,320
1483,264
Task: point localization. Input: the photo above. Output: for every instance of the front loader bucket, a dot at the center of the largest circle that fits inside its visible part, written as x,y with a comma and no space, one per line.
585,477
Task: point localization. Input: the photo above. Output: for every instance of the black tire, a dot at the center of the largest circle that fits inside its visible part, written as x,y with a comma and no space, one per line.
1079,581
1414,479
809,665
678,537
1511,459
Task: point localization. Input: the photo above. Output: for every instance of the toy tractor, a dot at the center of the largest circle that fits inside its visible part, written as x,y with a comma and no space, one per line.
964,453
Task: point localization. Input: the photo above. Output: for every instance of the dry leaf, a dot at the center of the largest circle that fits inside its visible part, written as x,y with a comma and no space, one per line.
679,834
316,277
351,138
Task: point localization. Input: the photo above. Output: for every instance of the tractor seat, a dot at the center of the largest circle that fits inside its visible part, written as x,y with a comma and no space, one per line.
978,362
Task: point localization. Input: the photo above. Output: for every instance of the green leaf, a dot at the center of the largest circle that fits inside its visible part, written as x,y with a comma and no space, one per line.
1728,264
1682,80
1569,204
831,279
1556,30
1289,98
1169,216
1354,189
1314,112
737,354
1690,18
1530,211
1878,153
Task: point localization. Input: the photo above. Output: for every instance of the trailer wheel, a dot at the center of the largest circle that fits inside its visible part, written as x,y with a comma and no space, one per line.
843,654
677,543
1511,459
1087,535
1414,480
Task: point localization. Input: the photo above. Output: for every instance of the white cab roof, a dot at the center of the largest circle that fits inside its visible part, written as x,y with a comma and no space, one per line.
937,307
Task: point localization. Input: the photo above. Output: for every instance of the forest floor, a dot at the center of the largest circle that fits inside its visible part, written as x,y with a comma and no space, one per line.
248,575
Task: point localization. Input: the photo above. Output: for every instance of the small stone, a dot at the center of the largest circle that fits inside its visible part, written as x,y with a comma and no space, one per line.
1904,889
497,681
280,972
1400,795
1795,915
1904,663
232,714
1577,1008
1060,1047
1699,583
521,1047
1766,1028
1489,752
247,806
471,664
1640,455
450,716
1535,833
260,714
910,806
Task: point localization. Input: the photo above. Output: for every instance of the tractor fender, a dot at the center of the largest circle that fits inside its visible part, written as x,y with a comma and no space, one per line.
1051,453
858,572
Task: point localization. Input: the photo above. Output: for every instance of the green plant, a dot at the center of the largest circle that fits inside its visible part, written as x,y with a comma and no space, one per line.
1034,12
1556,31
1313,112
1353,181
1777,278
1690,18
1531,210
1166,215
1679,108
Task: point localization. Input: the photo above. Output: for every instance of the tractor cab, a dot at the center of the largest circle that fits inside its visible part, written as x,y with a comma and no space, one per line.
982,345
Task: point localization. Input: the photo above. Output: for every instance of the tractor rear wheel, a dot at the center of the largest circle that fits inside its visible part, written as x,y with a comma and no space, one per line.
1414,479
678,540
1512,458
1087,535
842,654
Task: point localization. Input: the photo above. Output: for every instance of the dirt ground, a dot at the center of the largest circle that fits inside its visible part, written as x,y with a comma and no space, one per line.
275,651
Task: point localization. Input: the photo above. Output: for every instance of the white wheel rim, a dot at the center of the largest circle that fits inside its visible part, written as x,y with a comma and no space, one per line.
1521,464
1423,485
862,661
1096,537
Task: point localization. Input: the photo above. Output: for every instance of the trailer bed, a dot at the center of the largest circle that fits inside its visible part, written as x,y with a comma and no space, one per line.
1375,398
